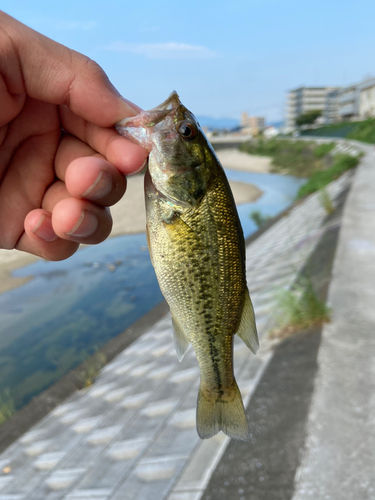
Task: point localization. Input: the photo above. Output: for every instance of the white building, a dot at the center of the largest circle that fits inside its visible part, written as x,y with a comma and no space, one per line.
331,107
348,100
367,99
270,132
305,99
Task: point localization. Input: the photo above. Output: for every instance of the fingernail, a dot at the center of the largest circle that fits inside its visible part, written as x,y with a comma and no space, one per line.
43,229
100,187
140,168
86,225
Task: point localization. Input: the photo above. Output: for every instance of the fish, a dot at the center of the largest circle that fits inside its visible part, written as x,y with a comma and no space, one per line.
197,249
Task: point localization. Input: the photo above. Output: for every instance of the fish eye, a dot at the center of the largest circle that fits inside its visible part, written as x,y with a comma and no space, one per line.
187,130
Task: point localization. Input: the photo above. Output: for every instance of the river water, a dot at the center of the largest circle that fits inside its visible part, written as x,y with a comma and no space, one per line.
71,308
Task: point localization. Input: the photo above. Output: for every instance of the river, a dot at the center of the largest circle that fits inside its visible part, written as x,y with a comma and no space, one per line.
71,308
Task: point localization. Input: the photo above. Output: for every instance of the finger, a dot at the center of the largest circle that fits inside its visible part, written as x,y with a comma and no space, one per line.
67,214
40,239
55,193
50,72
128,157
70,148
90,178
81,221
87,174
96,180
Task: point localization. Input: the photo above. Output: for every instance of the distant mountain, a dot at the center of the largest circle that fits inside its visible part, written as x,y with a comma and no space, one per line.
217,123
274,124
226,123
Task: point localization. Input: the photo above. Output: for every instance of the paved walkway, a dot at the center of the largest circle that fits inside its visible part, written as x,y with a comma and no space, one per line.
339,457
132,434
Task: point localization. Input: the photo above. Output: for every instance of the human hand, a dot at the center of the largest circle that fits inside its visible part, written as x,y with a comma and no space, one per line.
61,161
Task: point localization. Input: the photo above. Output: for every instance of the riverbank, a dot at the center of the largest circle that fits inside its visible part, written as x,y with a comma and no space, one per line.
142,406
129,213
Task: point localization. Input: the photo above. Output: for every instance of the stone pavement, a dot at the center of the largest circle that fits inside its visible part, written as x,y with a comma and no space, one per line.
132,434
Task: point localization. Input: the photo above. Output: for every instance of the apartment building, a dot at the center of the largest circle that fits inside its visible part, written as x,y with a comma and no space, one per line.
252,124
331,107
304,99
348,102
367,99
357,101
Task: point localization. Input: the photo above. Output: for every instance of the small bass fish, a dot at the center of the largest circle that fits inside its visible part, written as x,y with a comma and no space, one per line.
197,249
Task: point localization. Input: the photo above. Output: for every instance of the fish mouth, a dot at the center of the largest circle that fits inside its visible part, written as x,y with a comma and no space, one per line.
153,116
139,128
172,102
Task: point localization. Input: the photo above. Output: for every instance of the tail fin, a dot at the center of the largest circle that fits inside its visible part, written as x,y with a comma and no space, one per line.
225,412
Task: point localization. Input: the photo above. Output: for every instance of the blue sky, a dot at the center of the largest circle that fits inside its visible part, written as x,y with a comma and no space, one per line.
223,57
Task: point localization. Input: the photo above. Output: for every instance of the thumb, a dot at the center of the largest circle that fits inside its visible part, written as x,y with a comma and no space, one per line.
51,72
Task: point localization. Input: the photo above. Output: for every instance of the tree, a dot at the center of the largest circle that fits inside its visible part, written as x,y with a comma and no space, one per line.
309,117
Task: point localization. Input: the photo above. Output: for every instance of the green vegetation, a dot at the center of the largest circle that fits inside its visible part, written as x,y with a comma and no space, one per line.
309,117
300,308
364,131
323,149
258,218
303,159
298,158
6,406
91,368
334,130
320,179
360,131
326,201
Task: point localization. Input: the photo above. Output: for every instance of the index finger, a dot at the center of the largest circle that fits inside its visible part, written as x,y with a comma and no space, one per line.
127,156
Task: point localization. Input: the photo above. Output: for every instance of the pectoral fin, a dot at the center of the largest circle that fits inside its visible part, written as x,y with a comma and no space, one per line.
181,342
149,245
247,330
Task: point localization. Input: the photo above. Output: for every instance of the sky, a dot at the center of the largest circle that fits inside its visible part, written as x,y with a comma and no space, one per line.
222,57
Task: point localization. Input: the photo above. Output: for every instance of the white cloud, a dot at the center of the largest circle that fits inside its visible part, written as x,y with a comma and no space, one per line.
171,50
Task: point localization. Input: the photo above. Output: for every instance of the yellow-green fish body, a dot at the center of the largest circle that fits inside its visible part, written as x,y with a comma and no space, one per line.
198,252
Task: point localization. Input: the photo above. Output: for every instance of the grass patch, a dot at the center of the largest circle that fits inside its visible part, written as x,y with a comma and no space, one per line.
326,201
7,407
360,131
319,180
91,368
297,158
300,308
303,159
259,218
364,131
335,130
323,149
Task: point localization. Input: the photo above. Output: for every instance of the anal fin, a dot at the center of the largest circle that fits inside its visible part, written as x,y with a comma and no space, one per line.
181,342
247,330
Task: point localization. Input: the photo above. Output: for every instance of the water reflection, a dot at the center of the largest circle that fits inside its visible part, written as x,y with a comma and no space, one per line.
70,308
